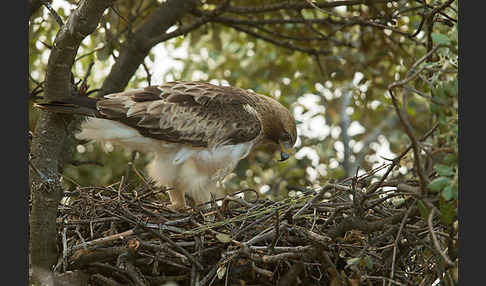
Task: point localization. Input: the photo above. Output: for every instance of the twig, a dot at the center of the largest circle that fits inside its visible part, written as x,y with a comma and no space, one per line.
403,116
122,235
53,13
172,243
320,192
434,238
277,232
395,243
64,249
365,277
262,271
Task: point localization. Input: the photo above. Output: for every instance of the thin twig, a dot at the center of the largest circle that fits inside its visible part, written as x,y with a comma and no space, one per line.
53,13
434,238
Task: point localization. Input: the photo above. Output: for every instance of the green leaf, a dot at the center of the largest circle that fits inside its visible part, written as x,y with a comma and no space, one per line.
424,211
447,193
450,159
448,211
444,170
440,39
455,191
439,183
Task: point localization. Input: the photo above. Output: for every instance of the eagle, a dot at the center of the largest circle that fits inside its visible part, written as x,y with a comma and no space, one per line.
197,131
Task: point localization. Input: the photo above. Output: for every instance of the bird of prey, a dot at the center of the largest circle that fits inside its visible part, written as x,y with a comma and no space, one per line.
197,131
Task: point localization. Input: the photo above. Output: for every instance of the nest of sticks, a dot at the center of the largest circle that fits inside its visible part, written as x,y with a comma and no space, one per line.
338,234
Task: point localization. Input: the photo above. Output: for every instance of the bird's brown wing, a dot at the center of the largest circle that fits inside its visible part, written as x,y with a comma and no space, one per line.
194,113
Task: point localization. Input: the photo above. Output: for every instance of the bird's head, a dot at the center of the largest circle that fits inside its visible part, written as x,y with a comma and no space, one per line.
281,130
288,136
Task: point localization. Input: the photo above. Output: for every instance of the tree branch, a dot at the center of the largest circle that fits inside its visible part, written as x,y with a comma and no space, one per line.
137,46
297,5
344,124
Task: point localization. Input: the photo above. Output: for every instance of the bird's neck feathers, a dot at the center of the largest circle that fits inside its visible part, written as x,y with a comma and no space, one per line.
270,116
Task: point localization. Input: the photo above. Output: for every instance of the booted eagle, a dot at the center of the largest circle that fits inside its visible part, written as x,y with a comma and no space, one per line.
197,131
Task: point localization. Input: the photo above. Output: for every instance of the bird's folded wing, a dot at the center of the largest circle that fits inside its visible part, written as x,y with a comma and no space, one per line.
194,113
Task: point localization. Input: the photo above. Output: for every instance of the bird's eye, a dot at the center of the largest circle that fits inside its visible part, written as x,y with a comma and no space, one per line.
286,137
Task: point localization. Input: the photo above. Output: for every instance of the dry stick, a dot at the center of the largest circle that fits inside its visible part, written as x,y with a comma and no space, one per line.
320,192
227,273
83,242
258,221
86,221
159,235
395,244
300,248
104,280
172,243
210,274
273,258
403,116
105,239
333,216
434,238
64,249
261,271
277,232
383,279
118,272
135,274
264,236
357,201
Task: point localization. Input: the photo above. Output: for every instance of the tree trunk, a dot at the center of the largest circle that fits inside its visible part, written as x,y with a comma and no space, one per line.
50,140
46,192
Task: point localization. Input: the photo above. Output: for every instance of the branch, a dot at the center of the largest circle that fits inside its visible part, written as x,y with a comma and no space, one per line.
344,124
434,238
286,45
297,5
403,115
82,22
53,12
138,45
356,223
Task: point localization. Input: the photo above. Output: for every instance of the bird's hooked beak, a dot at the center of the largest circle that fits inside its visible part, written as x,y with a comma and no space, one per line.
285,151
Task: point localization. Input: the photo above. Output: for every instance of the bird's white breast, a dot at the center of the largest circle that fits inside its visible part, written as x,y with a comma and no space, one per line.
214,163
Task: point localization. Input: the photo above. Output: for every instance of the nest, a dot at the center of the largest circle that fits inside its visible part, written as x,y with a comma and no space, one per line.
336,234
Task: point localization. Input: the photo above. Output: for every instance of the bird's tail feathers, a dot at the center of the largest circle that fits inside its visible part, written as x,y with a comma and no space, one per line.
86,107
